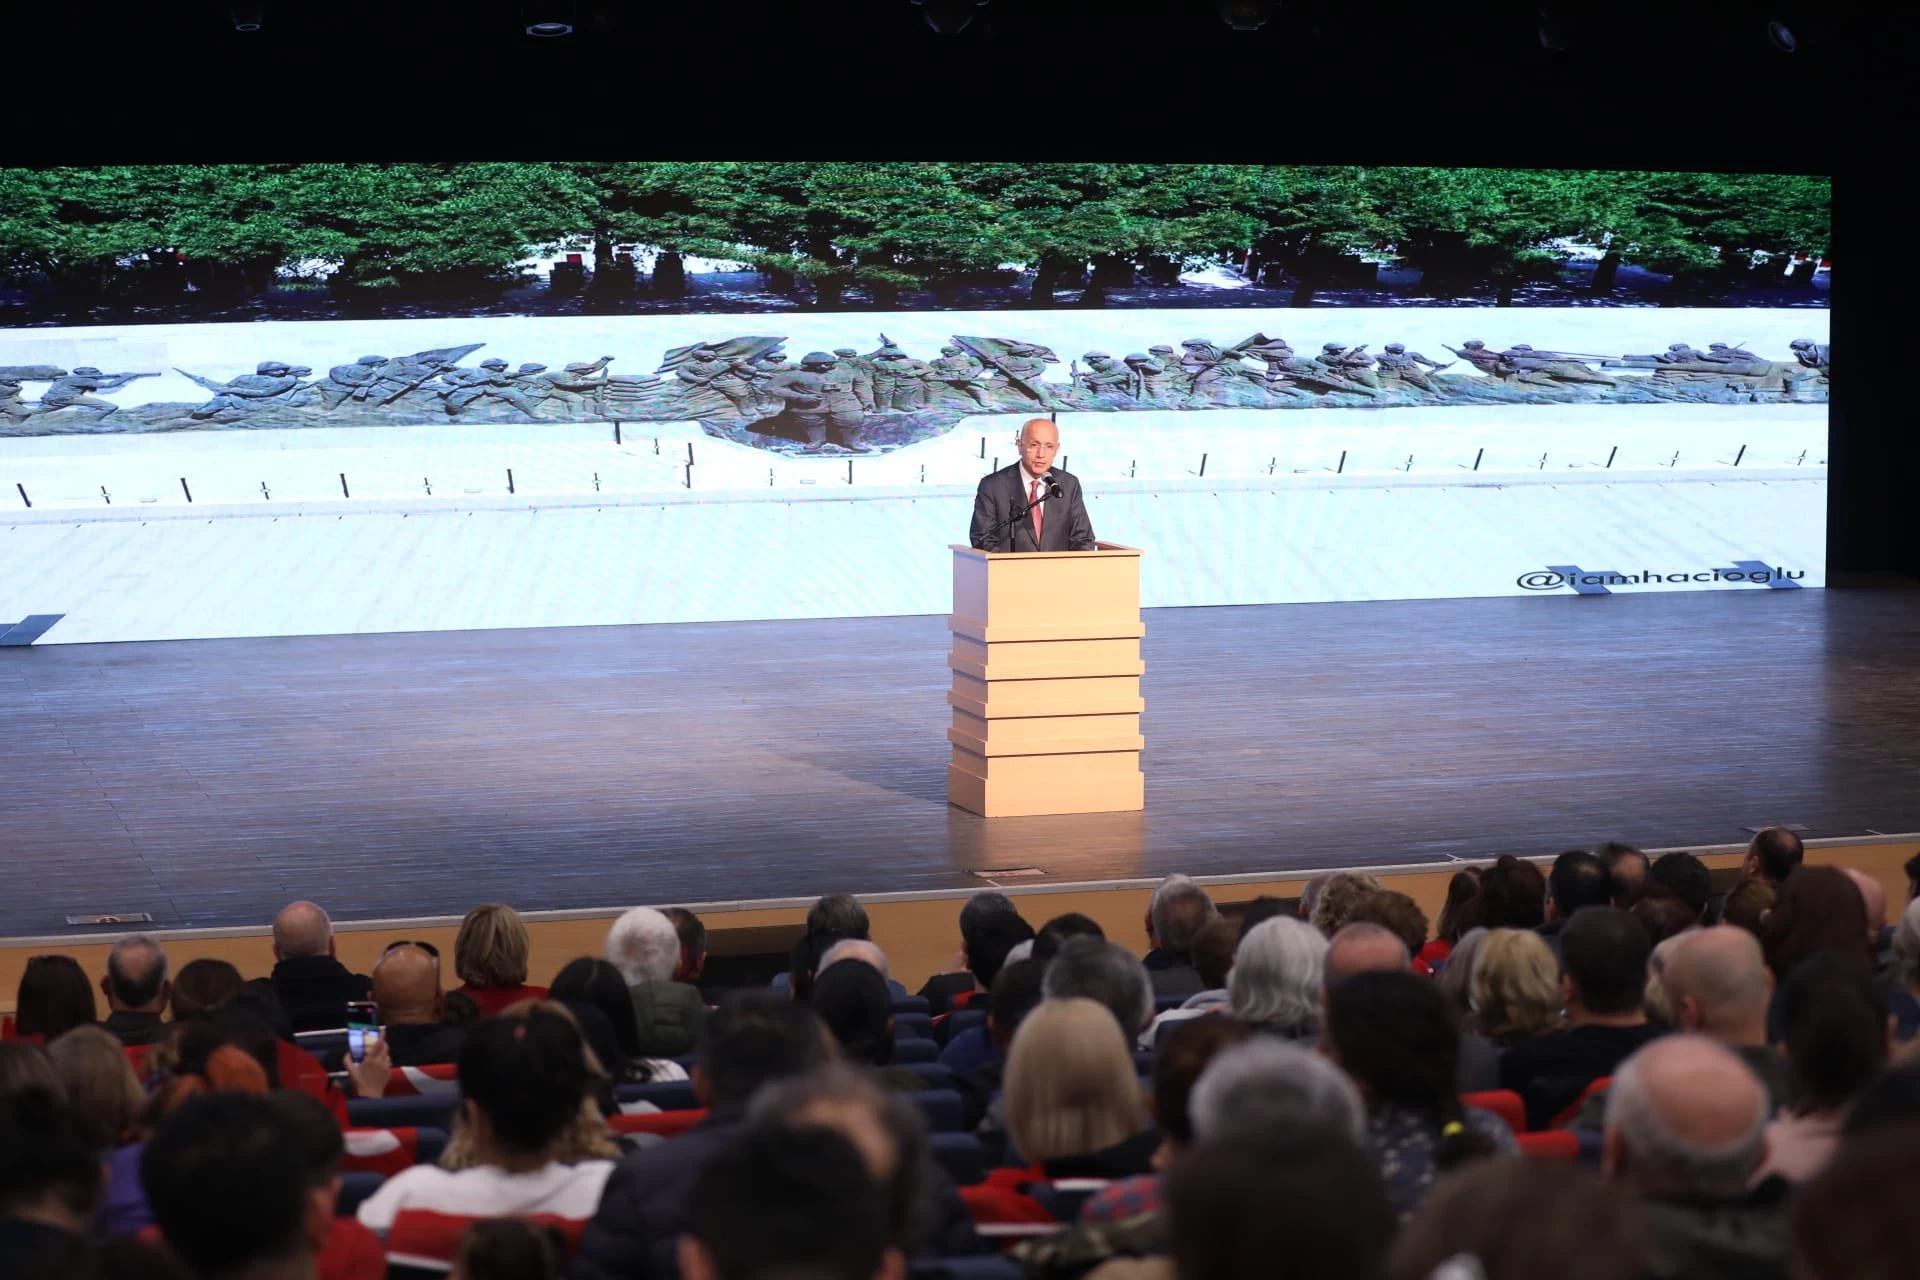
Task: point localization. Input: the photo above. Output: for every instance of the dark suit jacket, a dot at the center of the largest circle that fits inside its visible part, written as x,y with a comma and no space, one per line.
1064,523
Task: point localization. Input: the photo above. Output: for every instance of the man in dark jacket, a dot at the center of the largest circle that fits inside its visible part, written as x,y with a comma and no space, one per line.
756,1036
137,989
309,982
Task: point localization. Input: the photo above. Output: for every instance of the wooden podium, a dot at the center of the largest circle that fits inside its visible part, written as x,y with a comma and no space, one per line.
1046,682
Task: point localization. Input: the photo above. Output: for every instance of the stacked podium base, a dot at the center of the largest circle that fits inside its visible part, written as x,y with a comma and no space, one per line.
1046,682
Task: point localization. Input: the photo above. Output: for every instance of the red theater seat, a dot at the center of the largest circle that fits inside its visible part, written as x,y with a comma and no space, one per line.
664,1123
1550,1144
388,1151
410,1082
422,1233
1505,1103
1572,1112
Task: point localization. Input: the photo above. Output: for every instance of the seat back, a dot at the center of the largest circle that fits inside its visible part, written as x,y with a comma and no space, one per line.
664,1123
1572,1111
936,1075
421,1235
665,1095
907,1051
355,1187
961,1155
1505,1103
388,1151
431,1111
1550,1144
941,1107
410,1082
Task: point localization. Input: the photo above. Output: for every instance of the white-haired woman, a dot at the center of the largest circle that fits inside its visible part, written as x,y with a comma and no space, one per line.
1277,976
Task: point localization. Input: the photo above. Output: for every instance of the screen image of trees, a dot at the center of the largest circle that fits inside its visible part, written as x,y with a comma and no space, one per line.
436,230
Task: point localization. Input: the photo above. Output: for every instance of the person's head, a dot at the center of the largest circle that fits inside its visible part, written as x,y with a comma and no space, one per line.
839,914
1461,911
859,949
1055,933
1686,1118
1836,1016
25,1065
1603,964
98,1080
1278,974
1716,983
1333,906
309,1124
1773,854
1266,907
1038,441
510,1249
1682,876
1396,912
1513,894
988,936
406,986
1016,992
852,998
1456,975
885,1128
1265,1085
1818,909
1070,1086
302,929
1522,1220
1662,914
1306,1202
786,1202
1626,871
491,948
1906,948
1107,973
1515,986
1747,905
1874,895
53,998
228,1182
136,980
1178,1060
50,1167
1892,1099
754,1037
589,981
1394,1035
643,945
1578,879
200,985
693,943
1855,1221
1212,952
1179,910
230,1049
1363,947
522,1080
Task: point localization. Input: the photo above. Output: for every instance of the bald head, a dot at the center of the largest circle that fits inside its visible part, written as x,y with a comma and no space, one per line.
1038,440
1362,948
1875,894
1717,983
406,986
136,975
302,929
1685,1117
859,949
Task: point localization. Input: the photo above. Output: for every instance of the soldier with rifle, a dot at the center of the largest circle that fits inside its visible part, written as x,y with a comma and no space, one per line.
272,381
74,390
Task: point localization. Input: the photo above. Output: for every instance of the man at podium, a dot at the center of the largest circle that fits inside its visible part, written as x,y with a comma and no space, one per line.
1030,506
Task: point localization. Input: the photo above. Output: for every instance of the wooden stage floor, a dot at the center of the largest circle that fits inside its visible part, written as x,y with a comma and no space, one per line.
209,782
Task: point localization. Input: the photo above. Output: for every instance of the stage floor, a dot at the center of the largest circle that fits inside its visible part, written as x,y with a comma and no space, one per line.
209,782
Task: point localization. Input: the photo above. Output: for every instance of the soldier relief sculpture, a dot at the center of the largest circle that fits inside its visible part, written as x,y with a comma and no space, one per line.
844,401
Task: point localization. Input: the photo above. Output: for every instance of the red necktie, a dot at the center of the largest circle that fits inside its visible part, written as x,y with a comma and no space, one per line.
1039,518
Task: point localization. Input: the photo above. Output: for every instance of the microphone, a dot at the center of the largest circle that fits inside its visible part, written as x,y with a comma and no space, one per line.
1053,488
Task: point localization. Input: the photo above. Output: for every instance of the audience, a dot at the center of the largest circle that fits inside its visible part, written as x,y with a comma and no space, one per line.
1106,973
490,955
1278,975
978,1056
1179,910
348,1249
1773,855
1664,915
1747,904
522,1082
786,1203
597,984
1456,977
1212,953
1856,1220
1836,1045
1057,932
1521,1220
1304,1202
53,998
1263,908
310,984
1718,986
852,999
24,1065
200,985
1818,910
50,1176
753,1037
1394,1036
1073,1101
1264,1085
510,1249
1686,1134
100,1084
1460,913
643,945
1515,993
1578,879
1873,895
1401,916
1626,872
232,1192
406,987
1603,955
990,927
1903,987
1334,902
693,944
1513,894
136,988
1685,877
1364,947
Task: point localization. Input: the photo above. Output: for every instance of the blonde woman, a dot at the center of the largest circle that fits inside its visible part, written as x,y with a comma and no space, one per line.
1515,987
100,1083
1074,1105
490,958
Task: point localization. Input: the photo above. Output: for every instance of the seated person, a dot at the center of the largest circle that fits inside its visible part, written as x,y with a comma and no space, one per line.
1073,1100
851,997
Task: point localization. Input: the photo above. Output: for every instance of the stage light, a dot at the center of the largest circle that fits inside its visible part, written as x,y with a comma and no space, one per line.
547,19
1246,15
948,17
247,15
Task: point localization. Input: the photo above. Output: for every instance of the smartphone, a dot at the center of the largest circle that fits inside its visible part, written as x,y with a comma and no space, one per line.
363,1028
